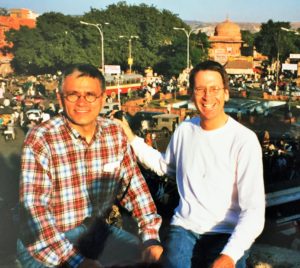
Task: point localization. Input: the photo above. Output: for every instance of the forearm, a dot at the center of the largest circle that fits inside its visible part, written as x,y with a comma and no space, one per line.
44,242
149,157
136,197
248,229
146,154
140,203
251,200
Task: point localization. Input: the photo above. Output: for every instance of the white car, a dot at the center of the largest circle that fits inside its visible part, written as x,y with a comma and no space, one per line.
34,115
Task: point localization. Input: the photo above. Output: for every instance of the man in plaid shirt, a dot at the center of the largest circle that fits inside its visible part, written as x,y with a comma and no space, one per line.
74,167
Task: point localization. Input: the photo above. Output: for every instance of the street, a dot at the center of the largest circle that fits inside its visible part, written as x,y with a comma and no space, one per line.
9,180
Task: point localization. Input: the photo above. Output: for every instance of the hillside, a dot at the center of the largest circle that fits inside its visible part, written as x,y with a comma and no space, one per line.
209,27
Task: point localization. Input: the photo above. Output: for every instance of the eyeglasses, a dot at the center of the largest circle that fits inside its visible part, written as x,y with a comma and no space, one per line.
89,97
199,91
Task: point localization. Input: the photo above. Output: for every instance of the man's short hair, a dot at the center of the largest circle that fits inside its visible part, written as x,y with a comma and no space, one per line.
84,69
208,65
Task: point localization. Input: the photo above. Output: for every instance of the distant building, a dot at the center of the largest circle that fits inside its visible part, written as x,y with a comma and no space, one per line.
239,65
15,19
226,42
227,48
22,14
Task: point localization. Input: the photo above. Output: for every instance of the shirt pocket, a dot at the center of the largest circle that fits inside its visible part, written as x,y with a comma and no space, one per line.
111,167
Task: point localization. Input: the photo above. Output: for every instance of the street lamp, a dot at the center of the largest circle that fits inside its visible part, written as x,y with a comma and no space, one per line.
130,59
290,30
188,34
99,27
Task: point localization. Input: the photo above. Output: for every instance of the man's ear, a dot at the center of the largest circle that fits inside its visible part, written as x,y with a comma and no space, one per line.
191,92
59,99
226,98
104,96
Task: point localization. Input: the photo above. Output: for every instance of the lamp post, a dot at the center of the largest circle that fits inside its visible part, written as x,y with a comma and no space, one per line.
99,28
188,34
130,59
290,30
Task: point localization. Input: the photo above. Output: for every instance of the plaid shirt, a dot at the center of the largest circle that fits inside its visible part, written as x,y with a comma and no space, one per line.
64,180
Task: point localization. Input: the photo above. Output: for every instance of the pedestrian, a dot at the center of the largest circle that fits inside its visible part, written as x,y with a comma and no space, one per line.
239,115
218,167
148,138
75,167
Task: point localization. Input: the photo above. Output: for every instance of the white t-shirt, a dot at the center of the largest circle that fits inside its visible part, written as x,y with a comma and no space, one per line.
219,177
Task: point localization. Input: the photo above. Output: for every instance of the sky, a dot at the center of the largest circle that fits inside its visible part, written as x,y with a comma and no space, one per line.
199,10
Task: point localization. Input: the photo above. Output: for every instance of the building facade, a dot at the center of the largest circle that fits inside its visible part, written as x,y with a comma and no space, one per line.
15,19
226,42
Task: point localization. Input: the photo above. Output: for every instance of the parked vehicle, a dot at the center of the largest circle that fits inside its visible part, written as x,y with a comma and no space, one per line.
9,132
30,118
154,121
165,122
142,120
108,107
123,84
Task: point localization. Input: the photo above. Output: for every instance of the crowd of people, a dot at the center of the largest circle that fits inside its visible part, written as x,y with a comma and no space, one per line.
281,158
266,83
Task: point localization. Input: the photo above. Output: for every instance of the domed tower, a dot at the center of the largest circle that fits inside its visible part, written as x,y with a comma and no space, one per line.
226,41
228,29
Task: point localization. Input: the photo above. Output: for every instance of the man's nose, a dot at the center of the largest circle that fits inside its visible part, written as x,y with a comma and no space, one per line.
81,100
207,92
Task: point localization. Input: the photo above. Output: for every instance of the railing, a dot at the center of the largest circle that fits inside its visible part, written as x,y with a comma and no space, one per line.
283,196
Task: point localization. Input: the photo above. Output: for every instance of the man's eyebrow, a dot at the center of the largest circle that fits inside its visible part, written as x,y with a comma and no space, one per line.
71,91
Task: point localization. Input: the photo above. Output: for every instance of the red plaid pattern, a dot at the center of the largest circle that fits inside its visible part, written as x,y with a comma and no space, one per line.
64,180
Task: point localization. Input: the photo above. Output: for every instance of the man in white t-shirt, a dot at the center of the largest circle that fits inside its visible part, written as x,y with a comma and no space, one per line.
218,167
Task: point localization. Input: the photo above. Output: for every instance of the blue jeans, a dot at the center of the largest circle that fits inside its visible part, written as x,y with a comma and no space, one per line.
120,247
185,249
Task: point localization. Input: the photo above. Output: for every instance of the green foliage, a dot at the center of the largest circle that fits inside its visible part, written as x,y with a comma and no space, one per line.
53,44
3,11
248,38
154,28
272,41
59,40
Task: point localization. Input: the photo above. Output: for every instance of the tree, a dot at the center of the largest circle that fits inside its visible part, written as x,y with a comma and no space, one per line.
174,60
272,41
248,37
59,40
54,43
248,45
154,28
3,11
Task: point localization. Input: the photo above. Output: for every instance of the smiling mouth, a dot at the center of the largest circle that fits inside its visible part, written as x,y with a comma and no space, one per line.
208,106
81,111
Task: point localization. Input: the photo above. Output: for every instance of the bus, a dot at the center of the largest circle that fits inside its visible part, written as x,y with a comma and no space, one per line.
125,83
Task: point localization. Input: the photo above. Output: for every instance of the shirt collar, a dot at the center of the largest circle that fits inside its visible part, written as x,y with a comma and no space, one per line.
73,132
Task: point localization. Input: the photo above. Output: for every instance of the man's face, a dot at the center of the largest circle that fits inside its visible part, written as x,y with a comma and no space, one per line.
81,114
209,96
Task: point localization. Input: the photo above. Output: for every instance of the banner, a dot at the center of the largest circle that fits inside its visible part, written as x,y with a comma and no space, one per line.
112,69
